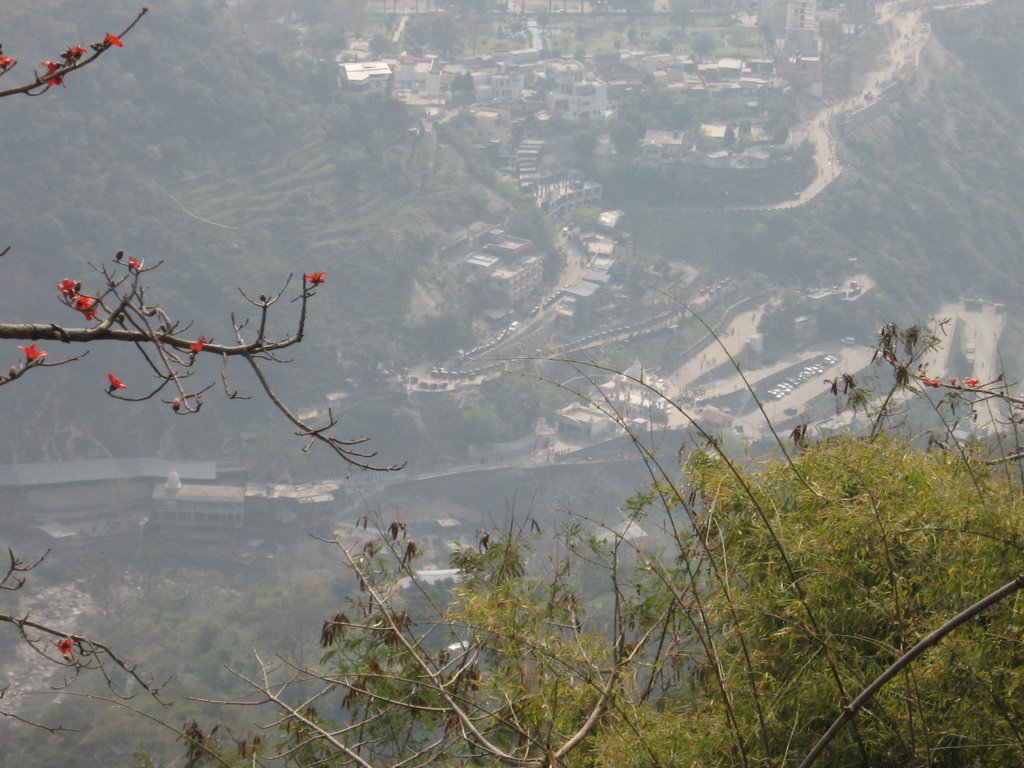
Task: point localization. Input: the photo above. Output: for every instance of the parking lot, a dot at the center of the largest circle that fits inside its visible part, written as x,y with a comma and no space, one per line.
813,370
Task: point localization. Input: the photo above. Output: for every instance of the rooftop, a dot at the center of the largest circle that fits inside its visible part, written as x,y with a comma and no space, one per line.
101,470
360,71
217,493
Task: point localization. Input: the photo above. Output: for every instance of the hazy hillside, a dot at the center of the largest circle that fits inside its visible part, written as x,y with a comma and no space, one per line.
235,166
929,201
238,165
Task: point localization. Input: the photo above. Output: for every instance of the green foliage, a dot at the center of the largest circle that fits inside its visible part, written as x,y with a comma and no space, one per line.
433,33
527,220
438,336
651,188
480,425
837,565
704,44
769,598
542,671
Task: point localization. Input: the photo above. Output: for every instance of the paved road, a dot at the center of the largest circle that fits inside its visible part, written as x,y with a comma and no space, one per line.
909,35
733,337
399,29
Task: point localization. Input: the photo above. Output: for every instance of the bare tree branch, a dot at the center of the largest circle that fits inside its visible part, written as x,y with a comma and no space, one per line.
74,58
124,314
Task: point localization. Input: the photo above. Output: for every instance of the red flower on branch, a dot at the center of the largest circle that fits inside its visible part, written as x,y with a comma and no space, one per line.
69,288
115,383
971,382
134,264
197,347
73,53
66,646
176,404
932,382
87,306
32,353
114,40
6,62
51,67
315,278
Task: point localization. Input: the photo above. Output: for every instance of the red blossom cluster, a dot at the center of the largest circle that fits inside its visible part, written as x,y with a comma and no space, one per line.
87,306
315,278
70,290
6,62
73,53
51,68
115,383
66,646
70,59
32,353
197,346
969,381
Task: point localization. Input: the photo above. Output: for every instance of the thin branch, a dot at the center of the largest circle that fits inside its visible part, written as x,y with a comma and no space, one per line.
903,661
11,580
81,653
45,82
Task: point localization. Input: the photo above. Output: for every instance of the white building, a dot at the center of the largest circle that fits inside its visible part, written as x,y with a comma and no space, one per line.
574,96
498,86
370,77
802,27
420,74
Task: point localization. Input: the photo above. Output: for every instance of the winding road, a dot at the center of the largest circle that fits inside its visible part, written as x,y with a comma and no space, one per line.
909,33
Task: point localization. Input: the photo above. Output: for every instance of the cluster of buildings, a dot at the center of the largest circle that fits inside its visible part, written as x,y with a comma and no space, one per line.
508,269
195,501
508,87
681,73
634,395
204,508
511,88
561,88
521,84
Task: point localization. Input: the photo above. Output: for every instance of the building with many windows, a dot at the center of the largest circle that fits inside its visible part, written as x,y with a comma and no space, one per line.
574,96
205,511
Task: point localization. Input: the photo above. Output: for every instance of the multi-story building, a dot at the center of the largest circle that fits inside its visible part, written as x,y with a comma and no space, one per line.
203,511
802,27
558,198
515,282
573,95
422,75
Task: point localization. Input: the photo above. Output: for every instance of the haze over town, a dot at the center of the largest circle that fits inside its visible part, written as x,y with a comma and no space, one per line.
547,228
